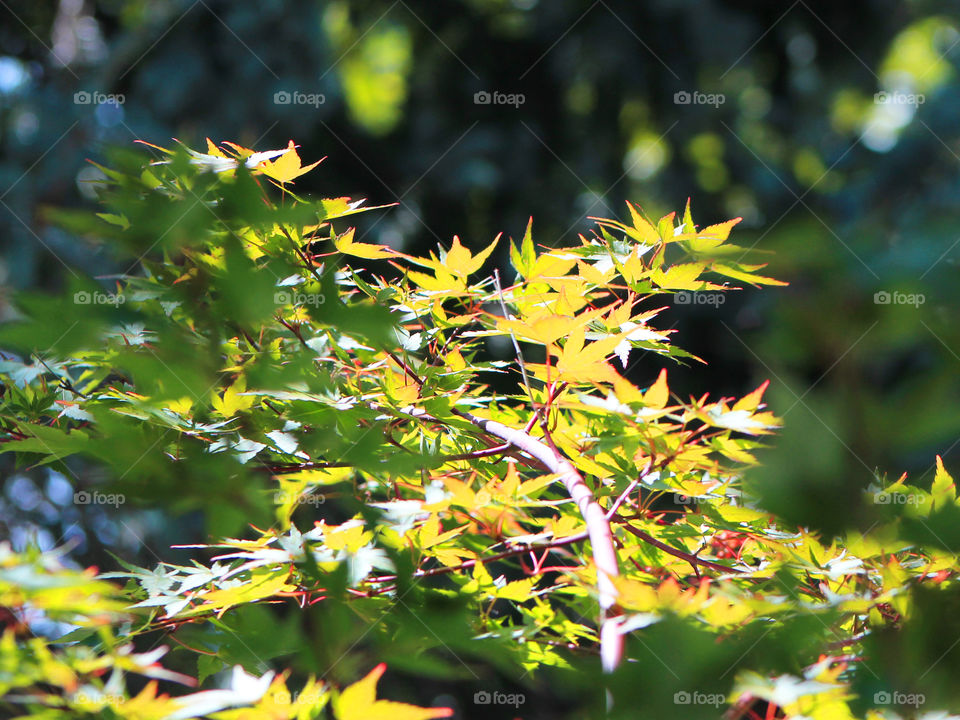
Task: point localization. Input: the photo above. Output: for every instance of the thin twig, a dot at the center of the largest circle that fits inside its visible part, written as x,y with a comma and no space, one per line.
299,252
623,496
516,345
519,550
692,559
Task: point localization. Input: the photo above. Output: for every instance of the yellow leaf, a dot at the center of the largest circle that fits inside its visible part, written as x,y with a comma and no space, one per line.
347,246
359,702
720,230
544,328
232,401
181,406
626,391
347,537
214,150
241,151
749,277
549,265
454,360
287,167
943,491
430,535
679,277
461,262
518,591
752,401
633,268
646,233
580,364
442,282
263,583
571,296
591,274
659,393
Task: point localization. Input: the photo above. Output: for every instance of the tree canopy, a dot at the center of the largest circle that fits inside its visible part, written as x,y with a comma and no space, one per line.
379,504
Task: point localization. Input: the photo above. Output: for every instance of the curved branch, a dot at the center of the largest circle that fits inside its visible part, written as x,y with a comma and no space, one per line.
598,525
598,529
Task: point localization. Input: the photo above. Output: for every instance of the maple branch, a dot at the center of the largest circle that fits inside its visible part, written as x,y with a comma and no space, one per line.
518,550
598,528
623,496
692,559
406,368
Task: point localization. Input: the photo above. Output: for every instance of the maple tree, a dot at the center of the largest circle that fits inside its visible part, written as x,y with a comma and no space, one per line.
336,401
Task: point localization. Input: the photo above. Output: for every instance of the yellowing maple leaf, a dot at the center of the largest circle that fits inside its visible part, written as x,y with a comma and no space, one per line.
461,262
752,401
943,491
659,393
679,277
544,328
458,261
586,364
232,401
359,702
287,167
347,246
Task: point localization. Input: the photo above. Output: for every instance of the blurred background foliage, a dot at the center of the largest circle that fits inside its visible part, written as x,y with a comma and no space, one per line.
849,184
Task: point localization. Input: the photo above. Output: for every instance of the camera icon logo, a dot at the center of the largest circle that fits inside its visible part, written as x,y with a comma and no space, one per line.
482,98
482,697
282,297
881,298
282,97
882,498
882,698
681,697
681,97
82,97
81,297
81,497
682,298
